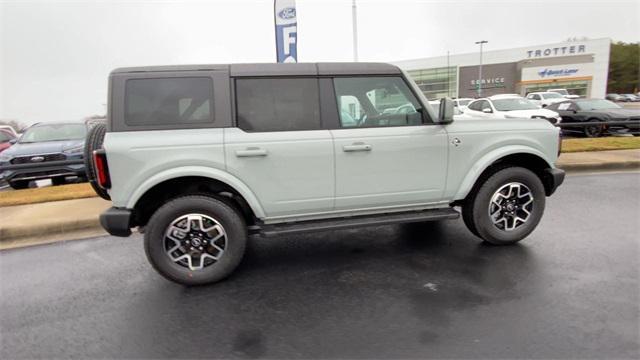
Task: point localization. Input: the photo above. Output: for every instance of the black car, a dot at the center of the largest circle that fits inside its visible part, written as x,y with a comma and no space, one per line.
596,110
45,151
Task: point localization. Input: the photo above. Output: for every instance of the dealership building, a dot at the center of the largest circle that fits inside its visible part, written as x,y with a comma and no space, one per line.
578,66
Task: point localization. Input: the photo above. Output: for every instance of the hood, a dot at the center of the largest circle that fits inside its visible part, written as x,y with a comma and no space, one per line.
529,113
38,148
618,113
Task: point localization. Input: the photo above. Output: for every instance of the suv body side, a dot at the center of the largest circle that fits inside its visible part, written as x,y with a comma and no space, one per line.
326,171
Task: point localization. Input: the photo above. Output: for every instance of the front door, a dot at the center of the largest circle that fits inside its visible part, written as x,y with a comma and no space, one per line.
279,148
386,155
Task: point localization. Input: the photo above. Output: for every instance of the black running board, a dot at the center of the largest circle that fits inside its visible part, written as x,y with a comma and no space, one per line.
355,222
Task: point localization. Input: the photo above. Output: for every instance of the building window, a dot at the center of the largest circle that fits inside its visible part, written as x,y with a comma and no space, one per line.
437,83
578,87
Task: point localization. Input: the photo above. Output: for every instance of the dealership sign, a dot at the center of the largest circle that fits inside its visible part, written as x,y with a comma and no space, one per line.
557,51
491,83
286,31
556,73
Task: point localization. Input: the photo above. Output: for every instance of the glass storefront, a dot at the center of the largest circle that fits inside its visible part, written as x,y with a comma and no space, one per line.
436,83
576,87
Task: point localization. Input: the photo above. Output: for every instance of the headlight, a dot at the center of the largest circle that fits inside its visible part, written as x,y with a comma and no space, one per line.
73,150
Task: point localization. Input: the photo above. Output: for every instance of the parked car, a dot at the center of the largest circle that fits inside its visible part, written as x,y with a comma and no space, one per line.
629,98
565,93
274,154
505,107
462,103
45,151
545,99
6,138
595,110
614,97
10,129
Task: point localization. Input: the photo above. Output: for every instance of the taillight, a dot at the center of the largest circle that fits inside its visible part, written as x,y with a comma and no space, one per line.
102,168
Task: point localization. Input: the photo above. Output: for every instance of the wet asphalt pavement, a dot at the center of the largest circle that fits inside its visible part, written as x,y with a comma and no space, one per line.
409,291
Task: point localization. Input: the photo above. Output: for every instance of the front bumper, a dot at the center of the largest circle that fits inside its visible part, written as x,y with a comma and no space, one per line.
43,170
117,221
552,179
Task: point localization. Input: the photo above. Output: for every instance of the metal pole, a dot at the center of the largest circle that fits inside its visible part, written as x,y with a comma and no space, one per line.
481,42
448,73
354,15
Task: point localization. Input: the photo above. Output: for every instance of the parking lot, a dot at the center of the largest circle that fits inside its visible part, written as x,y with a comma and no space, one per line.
410,291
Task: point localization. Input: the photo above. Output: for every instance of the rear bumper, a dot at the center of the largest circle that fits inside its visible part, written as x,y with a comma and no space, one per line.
552,179
117,221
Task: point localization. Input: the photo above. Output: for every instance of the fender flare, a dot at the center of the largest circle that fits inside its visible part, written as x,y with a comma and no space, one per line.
487,160
200,171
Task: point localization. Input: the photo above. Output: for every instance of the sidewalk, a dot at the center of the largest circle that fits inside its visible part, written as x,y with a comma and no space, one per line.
75,219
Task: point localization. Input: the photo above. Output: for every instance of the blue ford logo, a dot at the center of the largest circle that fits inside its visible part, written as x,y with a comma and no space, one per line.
287,13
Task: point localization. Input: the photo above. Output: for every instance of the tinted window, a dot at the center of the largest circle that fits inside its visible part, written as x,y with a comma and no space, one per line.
168,101
376,101
278,104
475,105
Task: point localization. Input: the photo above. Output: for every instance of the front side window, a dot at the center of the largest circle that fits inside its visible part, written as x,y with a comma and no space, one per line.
168,101
375,102
278,104
597,104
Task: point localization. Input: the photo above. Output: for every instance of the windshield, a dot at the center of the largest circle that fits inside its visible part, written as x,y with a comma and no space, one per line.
560,91
551,95
597,105
42,133
514,104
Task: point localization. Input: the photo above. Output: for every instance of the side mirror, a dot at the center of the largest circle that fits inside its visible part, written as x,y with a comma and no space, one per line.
13,141
487,110
445,113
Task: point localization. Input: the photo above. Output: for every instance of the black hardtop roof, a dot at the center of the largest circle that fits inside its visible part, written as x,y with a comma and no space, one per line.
275,69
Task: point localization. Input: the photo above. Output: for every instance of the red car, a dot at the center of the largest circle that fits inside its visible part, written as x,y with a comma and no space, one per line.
5,139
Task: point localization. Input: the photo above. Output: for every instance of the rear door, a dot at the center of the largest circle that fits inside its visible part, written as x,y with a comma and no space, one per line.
279,148
387,153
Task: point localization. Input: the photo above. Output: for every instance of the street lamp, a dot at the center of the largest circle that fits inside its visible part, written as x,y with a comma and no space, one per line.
480,69
354,23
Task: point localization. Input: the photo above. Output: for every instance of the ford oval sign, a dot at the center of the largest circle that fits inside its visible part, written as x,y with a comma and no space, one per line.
287,13
37,159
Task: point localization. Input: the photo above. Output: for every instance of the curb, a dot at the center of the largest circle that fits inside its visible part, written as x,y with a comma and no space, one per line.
14,233
619,165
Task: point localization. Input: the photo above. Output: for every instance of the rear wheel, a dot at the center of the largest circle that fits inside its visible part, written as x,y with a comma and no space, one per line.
593,131
506,207
58,181
195,240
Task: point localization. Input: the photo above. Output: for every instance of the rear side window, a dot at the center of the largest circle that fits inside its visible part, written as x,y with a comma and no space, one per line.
278,104
168,101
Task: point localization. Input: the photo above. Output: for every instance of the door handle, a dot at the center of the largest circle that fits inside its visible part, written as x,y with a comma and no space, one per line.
356,147
251,152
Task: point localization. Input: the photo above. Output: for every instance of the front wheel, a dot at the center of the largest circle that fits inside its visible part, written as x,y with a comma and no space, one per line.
506,207
195,240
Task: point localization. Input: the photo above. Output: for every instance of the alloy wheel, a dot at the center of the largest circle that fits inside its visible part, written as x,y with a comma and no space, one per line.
195,241
511,206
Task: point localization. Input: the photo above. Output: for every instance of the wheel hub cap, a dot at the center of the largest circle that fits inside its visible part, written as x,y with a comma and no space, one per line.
511,206
195,241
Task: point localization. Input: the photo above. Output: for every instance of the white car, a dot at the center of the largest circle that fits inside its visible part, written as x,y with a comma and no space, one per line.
461,103
502,107
564,93
545,98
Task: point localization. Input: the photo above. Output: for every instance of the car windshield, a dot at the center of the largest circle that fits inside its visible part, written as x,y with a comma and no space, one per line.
514,104
551,95
560,91
58,132
597,105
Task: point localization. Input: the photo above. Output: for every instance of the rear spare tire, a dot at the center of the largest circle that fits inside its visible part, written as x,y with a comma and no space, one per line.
93,142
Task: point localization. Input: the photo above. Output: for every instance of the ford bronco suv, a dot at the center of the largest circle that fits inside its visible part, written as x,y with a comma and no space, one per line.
199,157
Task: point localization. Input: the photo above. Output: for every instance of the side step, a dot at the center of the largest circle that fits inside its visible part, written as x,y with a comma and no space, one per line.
355,221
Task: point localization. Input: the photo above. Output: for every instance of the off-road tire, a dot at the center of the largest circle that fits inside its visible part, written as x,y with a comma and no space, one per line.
94,142
19,184
228,217
58,181
475,210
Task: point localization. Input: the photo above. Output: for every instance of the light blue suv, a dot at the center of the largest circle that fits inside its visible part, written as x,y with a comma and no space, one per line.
199,157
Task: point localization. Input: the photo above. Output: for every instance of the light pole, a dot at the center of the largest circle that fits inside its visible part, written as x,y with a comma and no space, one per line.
354,16
480,69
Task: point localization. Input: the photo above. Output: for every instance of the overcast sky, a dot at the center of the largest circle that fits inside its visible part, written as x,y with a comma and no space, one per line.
55,56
